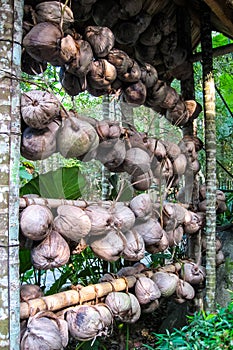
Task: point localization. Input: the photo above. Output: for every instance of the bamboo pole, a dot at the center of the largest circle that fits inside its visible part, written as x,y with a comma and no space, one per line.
75,296
80,295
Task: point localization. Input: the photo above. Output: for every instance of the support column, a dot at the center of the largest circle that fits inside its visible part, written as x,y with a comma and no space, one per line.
210,147
11,14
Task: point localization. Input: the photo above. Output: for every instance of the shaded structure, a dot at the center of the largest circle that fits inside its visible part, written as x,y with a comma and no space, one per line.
152,34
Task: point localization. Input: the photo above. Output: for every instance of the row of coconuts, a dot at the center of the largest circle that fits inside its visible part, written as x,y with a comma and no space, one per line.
49,128
112,231
85,322
91,62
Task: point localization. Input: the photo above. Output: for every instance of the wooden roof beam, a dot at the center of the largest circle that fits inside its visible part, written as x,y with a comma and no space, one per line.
218,8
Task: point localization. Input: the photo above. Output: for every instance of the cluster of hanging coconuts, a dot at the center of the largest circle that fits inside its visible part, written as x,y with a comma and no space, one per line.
87,322
49,129
112,231
90,60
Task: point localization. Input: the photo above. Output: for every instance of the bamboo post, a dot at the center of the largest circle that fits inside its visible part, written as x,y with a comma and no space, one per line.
11,14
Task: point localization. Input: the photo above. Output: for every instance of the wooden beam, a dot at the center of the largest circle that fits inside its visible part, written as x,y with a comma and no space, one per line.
217,51
221,12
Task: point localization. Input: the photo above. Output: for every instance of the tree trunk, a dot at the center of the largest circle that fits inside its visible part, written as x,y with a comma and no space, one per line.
210,145
11,14
105,171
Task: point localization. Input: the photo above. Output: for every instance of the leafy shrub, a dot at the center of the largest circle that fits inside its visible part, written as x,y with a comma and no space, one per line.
212,331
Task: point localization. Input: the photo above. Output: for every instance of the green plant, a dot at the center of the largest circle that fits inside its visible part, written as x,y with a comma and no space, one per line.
204,331
226,217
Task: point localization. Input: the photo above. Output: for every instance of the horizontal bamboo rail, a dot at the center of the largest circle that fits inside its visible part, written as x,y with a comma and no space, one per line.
54,203
73,297
93,292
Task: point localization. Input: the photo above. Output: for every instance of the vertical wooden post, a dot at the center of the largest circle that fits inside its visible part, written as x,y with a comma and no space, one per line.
210,146
11,14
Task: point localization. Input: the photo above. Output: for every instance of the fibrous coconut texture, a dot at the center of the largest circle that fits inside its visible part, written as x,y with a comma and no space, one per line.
108,47
44,331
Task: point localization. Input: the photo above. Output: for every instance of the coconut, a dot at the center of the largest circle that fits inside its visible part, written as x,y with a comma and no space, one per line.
36,222
72,222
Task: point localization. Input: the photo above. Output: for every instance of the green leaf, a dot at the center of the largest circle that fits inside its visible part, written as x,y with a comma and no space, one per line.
56,286
66,182
25,260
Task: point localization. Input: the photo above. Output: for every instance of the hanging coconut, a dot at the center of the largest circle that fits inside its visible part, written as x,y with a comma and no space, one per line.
178,114
126,33
145,53
172,149
152,35
108,129
169,43
184,291
101,219
136,161
175,236
175,214
146,290
72,222
130,8
56,12
142,21
87,322
151,231
141,206
106,14
123,217
162,170
156,94
30,291
45,331
132,74
179,165
220,258
76,137
192,273
135,93
81,62
135,246
39,108
101,74
52,252
108,247
120,60
159,246
143,181
101,39
82,12
72,84
39,144
111,153
43,43
149,75
125,307
175,58
167,282
36,222
196,222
